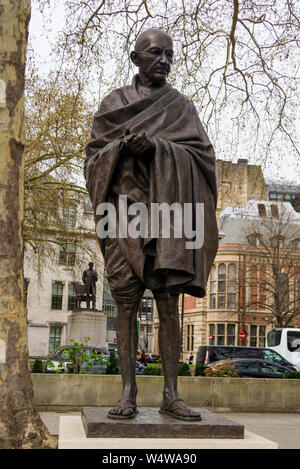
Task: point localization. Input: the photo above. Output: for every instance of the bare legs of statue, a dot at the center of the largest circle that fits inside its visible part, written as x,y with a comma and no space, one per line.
169,345
127,337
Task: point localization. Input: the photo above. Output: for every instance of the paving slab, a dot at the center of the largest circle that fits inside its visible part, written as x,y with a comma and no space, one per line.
283,428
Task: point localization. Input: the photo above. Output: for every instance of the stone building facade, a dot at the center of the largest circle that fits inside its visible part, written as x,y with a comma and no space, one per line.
49,279
239,291
224,313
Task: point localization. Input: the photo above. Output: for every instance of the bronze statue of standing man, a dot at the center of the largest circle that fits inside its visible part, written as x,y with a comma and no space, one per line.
89,278
149,145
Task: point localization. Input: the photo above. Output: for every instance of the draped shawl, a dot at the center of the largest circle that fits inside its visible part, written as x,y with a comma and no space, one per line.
181,170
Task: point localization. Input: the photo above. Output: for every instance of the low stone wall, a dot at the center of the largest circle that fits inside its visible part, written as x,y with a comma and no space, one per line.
72,392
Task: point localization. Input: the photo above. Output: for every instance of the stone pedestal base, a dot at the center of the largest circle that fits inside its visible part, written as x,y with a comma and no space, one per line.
149,423
85,323
72,436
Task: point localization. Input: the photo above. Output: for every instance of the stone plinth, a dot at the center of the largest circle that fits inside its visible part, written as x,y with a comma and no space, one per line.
72,436
149,423
85,323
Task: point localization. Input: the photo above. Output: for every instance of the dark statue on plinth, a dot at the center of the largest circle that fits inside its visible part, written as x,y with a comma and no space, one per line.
149,145
87,291
89,278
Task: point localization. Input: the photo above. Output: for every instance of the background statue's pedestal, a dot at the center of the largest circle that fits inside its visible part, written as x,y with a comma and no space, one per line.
72,433
87,323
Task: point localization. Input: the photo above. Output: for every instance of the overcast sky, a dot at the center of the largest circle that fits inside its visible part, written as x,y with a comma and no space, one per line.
43,36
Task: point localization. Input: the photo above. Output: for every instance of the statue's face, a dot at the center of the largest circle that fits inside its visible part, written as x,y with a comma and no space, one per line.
154,56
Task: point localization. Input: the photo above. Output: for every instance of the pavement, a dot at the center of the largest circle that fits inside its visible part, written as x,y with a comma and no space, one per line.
281,428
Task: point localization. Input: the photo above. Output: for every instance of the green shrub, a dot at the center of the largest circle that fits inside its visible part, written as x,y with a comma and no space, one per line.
291,375
112,365
37,366
154,371
200,369
183,369
225,370
81,359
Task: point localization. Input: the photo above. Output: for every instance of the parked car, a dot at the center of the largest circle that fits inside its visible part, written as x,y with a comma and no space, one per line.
61,358
152,358
254,367
211,353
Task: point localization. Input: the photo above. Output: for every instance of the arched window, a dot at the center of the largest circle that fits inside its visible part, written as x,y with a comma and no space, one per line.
231,289
213,288
221,286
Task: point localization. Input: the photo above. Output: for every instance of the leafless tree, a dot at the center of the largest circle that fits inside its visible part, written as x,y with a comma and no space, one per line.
272,264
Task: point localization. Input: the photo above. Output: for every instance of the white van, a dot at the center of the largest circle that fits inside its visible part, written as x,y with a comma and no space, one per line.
286,341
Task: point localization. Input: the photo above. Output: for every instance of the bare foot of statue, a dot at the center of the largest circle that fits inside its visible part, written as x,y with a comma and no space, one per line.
179,410
125,409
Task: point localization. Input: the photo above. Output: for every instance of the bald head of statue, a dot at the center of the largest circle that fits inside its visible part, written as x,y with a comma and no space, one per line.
153,54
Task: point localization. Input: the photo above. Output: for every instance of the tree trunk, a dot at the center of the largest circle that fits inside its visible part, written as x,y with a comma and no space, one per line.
20,424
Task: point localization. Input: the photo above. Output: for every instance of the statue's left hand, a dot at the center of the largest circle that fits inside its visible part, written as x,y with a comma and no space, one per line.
139,144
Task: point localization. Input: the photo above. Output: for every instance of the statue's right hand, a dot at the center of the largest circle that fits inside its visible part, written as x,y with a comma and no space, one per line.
139,144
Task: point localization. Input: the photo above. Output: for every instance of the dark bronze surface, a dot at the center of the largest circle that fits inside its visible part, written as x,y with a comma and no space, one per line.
89,278
148,144
149,423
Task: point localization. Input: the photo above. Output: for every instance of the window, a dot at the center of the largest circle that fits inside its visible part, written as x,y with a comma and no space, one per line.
220,334
261,210
146,309
277,242
273,356
274,338
257,336
248,366
71,296
255,239
212,329
190,338
225,334
67,253
57,295
111,323
293,341
54,338
221,286
220,289
69,216
274,211
110,309
230,334
231,290
213,288
271,369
